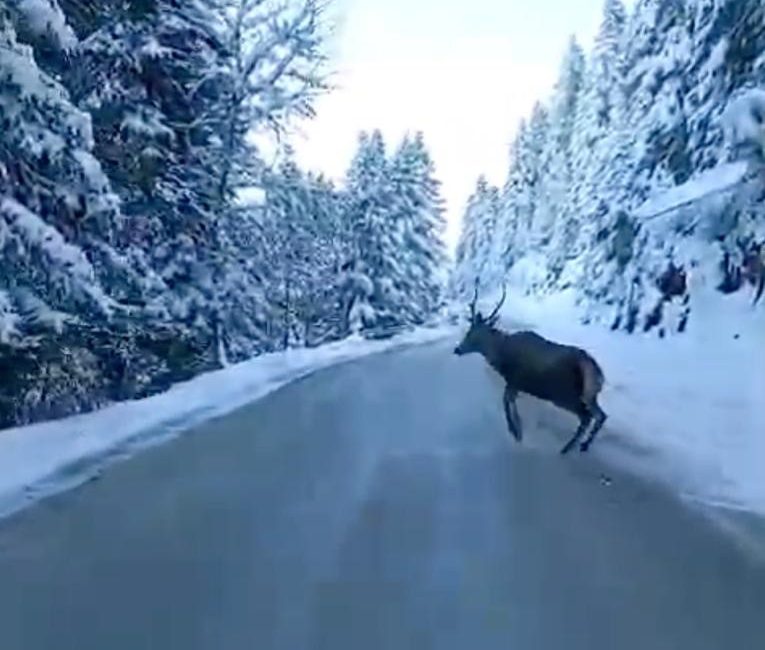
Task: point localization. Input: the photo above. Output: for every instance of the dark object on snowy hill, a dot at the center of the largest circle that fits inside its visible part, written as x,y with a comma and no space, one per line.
731,276
754,270
750,271
673,282
564,375
623,244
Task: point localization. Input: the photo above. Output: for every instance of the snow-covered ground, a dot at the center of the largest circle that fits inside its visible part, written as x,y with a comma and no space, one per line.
46,458
687,410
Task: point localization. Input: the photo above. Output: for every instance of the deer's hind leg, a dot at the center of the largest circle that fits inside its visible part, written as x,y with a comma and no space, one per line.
599,418
585,418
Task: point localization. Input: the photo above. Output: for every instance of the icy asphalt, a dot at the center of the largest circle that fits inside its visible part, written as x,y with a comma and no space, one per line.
379,504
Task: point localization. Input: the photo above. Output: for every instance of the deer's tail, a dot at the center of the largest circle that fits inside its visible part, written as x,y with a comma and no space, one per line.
592,378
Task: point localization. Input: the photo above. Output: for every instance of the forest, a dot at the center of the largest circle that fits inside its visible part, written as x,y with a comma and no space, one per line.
639,183
145,237
147,234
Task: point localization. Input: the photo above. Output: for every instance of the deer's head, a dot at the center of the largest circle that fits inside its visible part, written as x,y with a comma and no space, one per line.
480,327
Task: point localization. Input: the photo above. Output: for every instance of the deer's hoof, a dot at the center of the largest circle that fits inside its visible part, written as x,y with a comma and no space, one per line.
584,447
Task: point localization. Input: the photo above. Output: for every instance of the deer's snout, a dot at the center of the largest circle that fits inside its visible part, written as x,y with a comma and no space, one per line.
459,351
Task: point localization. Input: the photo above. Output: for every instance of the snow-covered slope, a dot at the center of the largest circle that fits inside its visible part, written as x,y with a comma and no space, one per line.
686,410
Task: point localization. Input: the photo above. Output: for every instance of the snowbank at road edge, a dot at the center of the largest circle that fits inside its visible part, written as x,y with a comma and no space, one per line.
691,403
42,459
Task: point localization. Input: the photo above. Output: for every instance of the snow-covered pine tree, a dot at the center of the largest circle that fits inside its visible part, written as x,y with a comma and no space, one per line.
62,281
476,239
373,293
535,156
419,216
726,55
507,245
519,221
50,182
657,60
245,313
605,145
296,239
599,113
324,305
141,73
556,223
465,272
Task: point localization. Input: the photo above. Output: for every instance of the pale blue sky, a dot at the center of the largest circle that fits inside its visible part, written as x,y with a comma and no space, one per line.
462,71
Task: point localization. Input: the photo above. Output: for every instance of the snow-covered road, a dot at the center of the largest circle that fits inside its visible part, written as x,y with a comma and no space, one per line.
378,504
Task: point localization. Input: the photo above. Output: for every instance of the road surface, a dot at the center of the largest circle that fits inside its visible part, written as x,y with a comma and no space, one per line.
375,505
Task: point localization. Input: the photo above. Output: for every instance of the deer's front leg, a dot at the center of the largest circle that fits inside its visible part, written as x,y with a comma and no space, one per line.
511,413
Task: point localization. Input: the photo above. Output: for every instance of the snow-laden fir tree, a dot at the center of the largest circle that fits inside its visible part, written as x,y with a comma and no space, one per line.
476,239
555,221
521,202
728,54
419,219
373,296
599,112
141,74
324,305
63,281
508,232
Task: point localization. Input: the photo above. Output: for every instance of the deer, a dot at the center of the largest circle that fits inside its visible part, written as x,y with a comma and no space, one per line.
563,375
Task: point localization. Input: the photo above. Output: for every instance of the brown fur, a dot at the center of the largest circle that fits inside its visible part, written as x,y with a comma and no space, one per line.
592,376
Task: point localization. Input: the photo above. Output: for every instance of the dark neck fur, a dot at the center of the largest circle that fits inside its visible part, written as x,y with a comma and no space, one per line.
492,350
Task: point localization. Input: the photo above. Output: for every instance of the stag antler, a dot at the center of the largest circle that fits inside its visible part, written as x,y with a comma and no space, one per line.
495,314
474,303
